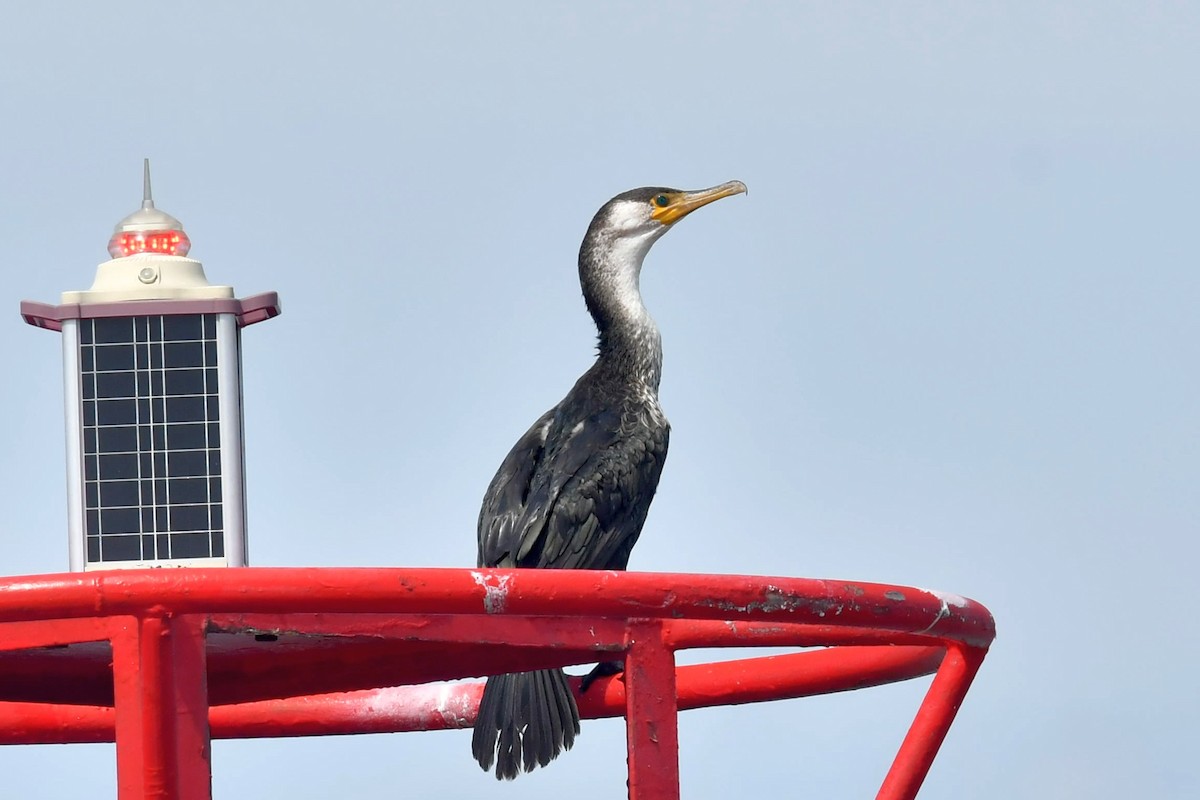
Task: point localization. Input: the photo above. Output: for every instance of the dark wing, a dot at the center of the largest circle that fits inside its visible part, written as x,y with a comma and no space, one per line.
504,501
590,512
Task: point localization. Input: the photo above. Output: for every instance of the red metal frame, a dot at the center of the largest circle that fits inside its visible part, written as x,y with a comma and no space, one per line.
161,661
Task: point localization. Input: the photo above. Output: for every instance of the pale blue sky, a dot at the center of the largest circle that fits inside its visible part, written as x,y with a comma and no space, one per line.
949,339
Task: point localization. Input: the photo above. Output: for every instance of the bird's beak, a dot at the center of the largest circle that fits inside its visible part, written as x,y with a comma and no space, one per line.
683,203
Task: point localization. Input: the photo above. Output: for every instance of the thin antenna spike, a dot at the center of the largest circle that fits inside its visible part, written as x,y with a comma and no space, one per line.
147,195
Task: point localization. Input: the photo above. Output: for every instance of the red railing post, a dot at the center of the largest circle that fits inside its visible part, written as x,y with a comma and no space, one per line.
651,714
161,696
929,728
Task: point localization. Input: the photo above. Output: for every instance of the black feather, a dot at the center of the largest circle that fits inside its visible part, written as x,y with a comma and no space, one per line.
525,720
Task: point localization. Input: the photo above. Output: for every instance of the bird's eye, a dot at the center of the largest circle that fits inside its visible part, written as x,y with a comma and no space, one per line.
661,200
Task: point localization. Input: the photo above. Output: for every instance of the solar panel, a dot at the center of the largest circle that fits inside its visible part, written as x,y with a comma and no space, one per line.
150,437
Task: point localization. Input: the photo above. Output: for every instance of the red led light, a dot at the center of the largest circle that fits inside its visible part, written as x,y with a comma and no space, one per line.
132,243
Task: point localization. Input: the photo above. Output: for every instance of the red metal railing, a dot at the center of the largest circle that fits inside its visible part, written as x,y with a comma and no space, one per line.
159,661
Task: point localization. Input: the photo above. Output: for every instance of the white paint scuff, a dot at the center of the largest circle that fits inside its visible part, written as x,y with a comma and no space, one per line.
495,588
946,599
956,600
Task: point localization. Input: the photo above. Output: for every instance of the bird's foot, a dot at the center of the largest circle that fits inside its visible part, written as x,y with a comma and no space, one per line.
601,670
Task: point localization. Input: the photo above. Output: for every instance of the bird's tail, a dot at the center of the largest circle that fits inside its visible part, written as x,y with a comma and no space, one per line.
525,720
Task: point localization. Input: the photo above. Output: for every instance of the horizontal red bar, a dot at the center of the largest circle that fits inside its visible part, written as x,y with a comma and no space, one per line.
585,593
437,707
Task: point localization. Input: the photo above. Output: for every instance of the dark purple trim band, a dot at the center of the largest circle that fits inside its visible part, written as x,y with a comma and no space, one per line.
250,310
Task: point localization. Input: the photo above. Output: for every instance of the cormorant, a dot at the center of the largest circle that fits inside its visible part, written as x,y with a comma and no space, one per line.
574,490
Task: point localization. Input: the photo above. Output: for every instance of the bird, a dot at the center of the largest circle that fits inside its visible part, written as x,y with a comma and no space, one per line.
574,491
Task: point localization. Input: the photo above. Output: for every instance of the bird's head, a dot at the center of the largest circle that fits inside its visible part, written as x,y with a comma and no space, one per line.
647,213
625,228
